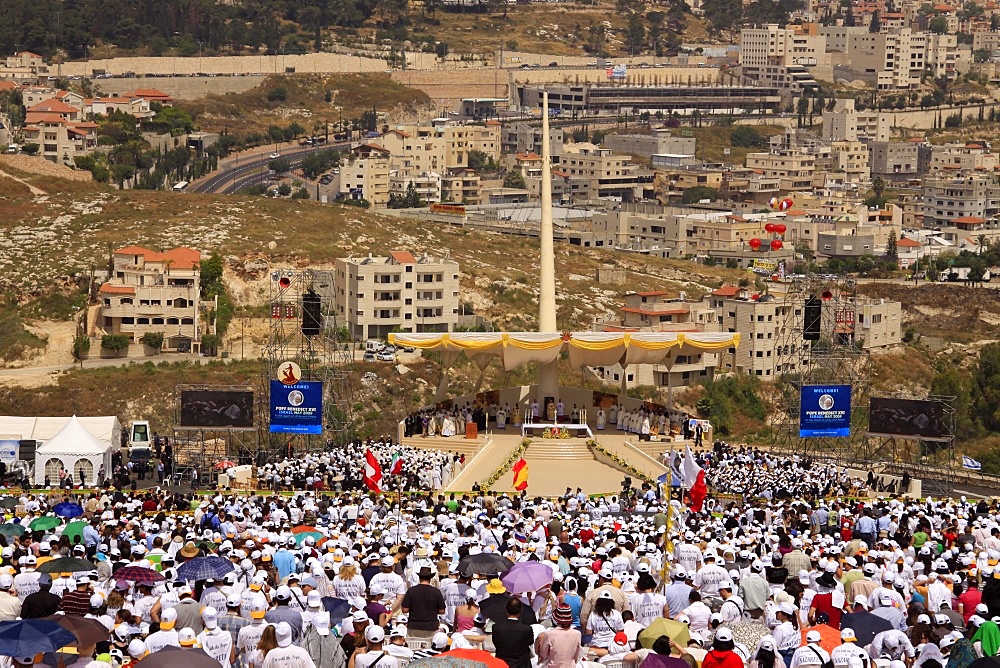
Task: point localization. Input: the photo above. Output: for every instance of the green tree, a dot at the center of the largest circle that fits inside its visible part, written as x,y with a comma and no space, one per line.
514,179
953,381
635,33
698,193
891,252
153,340
211,275
876,25
746,136
279,165
939,25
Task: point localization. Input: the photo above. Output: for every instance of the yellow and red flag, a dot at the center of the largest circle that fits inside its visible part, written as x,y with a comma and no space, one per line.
520,475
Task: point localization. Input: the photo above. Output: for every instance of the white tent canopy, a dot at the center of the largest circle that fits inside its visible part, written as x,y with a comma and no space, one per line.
76,444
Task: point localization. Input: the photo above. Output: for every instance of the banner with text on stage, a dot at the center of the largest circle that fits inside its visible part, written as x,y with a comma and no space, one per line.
298,408
825,411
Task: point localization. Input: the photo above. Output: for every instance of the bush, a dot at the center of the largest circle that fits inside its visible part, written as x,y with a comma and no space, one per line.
30,148
698,193
153,340
301,193
746,136
81,347
210,344
115,343
278,94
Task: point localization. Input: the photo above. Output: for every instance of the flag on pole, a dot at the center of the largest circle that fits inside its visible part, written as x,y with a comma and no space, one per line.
520,475
694,480
970,463
674,462
397,463
373,472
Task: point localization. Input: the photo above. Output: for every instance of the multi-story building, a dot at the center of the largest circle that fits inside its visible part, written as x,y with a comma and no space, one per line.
396,292
660,142
525,138
954,159
462,187
894,161
656,311
851,158
58,139
24,67
784,57
427,185
594,172
894,61
440,148
154,292
794,169
364,174
972,199
944,57
854,237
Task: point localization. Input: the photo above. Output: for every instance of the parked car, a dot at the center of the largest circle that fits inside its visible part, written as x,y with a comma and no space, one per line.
369,357
386,356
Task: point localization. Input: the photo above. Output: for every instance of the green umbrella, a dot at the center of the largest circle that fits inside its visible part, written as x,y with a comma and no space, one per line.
676,631
299,537
44,523
66,565
9,502
74,529
11,529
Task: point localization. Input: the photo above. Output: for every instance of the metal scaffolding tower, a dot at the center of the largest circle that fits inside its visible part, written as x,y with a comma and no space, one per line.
323,353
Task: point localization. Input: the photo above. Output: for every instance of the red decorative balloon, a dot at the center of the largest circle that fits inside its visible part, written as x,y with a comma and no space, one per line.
776,244
754,243
769,228
780,228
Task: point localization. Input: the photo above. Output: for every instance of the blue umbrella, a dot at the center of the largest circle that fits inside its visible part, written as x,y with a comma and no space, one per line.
337,607
202,568
29,637
67,509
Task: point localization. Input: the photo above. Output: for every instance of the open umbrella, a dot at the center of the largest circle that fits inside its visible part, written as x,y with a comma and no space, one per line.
29,637
676,631
74,529
67,509
138,574
66,565
86,631
9,502
527,576
10,529
202,568
829,637
300,537
44,523
338,608
865,625
225,464
461,658
170,657
484,563
302,528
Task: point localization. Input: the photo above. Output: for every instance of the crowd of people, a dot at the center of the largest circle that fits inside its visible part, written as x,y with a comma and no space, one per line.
788,572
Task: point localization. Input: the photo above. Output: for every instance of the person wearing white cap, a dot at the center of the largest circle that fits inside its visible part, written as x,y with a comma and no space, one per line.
286,654
167,635
322,645
281,612
10,606
26,582
390,582
893,643
810,654
217,643
786,633
249,635
848,649
375,656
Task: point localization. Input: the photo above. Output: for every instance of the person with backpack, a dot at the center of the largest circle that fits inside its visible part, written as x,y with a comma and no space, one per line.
811,654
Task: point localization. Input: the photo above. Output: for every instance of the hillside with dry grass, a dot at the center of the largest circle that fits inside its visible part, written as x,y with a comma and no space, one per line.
302,98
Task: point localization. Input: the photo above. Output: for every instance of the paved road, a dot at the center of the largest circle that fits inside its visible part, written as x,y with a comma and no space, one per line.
99,362
251,169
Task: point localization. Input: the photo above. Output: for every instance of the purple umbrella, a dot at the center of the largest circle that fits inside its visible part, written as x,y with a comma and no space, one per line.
527,576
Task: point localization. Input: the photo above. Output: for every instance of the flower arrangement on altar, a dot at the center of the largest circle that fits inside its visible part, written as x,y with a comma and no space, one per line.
556,432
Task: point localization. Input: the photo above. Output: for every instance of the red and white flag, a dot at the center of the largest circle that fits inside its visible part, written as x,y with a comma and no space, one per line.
373,472
694,480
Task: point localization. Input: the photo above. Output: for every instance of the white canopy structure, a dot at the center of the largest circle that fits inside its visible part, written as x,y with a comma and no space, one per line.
75,448
585,349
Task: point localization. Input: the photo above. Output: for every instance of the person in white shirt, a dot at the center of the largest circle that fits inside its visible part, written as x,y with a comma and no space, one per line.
810,654
217,643
842,654
647,605
249,635
167,635
397,644
786,634
287,655
375,657
697,613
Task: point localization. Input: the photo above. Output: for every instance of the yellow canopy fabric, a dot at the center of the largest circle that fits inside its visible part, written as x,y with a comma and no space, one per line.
585,348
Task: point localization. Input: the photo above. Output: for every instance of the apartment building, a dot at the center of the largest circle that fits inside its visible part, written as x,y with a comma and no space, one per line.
364,174
845,123
397,292
154,292
657,311
793,169
853,236
787,58
439,148
59,140
851,158
894,161
660,142
891,61
594,172
971,198
944,57
525,138
463,187
24,67
961,158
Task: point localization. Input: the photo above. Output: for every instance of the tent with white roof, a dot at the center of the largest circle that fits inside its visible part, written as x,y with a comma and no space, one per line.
76,449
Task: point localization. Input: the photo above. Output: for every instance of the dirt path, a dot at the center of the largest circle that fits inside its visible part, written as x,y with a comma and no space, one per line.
34,190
